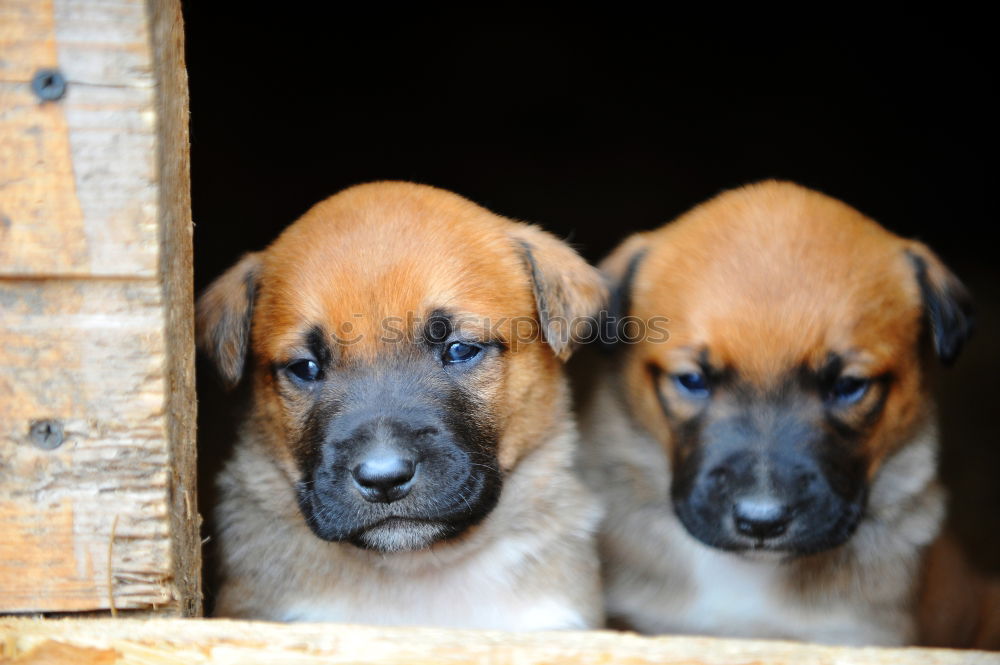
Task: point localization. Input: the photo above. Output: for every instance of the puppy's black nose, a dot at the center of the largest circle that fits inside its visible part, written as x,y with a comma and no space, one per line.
761,518
384,478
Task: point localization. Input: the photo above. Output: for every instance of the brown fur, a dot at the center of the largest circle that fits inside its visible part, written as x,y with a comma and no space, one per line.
959,605
770,278
402,250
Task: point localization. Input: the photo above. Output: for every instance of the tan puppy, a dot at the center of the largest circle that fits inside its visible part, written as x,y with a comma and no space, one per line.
408,455
770,469
959,604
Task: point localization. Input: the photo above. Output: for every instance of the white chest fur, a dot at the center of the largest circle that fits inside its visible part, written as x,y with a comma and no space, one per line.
734,595
463,608
478,594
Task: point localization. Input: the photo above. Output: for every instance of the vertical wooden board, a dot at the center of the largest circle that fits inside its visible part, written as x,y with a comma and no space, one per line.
177,281
78,194
96,312
84,524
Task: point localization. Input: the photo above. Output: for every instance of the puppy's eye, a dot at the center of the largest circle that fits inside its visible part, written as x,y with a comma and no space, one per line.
460,352
693,384
848,390
304,370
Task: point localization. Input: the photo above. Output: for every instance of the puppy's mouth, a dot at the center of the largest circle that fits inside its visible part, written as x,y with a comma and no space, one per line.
399,534
764,553
807,534
384,531
431,513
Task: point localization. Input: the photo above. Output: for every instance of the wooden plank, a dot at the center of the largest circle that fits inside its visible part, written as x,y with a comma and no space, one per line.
88,356
96,312
78,193
176,277
27,39
196,642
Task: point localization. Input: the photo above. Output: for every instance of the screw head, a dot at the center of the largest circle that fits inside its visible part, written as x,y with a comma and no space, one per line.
46,434
48,84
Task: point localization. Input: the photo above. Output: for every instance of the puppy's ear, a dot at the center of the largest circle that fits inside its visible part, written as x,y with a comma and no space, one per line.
224,313
948,307
568,291
619,270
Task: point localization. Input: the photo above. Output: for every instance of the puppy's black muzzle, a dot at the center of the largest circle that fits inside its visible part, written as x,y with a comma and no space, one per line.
787,487
396,462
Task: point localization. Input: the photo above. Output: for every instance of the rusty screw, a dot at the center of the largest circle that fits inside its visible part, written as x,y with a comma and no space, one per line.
49,84
46,434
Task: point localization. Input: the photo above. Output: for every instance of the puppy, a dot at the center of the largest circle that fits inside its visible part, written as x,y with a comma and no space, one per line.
408,454
769,464
959,605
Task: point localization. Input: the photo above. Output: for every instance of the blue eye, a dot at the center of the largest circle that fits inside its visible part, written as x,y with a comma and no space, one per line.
460,352
304,370
849,389
693,384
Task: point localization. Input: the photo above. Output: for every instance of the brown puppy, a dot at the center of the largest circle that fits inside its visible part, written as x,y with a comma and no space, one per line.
408,455
770,469
959,604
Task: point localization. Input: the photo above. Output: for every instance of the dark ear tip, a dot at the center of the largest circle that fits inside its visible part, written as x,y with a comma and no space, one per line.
961,328
619,303
605,344
948,308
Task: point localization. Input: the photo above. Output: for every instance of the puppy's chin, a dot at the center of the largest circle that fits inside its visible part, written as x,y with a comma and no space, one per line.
412,523
400,535
381,534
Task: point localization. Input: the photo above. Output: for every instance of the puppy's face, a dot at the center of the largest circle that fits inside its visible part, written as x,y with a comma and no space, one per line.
795,365
398,368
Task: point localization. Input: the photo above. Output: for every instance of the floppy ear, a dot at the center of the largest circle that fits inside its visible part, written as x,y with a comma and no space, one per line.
948,307
619,269
568,291
224,313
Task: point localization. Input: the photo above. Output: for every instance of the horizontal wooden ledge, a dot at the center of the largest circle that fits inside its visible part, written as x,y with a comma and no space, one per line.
218,641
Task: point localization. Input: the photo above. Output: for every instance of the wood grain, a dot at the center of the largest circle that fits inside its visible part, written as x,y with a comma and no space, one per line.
89,355
96,320
78,192
176,278
196,642
27,39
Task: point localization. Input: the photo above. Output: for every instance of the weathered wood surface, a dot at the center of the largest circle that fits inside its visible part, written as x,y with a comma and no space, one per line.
79,174
176,277
96,321
196,642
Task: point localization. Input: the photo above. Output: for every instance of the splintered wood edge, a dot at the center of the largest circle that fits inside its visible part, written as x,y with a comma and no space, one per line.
177,281
217,641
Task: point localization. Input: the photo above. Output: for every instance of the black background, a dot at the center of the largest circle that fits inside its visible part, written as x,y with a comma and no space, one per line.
596,128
